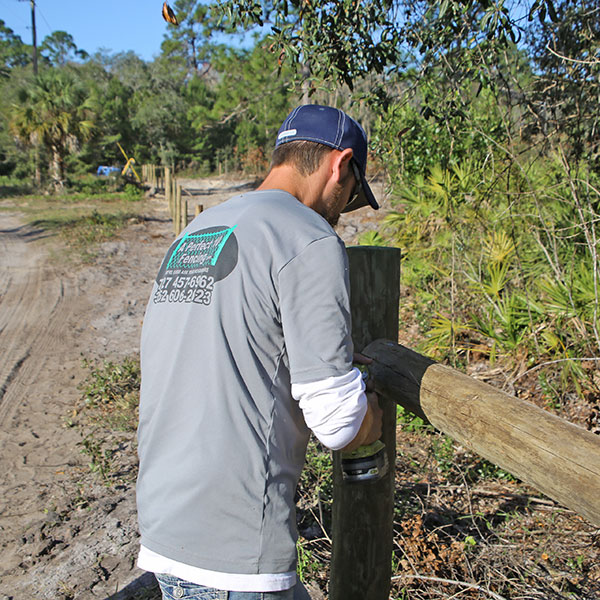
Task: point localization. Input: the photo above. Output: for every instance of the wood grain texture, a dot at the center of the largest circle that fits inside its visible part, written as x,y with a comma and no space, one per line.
558,458
363,512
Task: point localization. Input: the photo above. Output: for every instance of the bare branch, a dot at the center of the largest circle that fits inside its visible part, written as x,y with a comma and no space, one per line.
471,586
595,61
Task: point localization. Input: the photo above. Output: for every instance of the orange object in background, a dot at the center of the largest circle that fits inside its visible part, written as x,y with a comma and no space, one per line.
169,15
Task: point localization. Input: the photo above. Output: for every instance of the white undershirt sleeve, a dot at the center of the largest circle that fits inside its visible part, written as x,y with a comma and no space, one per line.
333,408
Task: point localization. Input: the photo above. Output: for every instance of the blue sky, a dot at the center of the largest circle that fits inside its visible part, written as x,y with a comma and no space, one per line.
111,24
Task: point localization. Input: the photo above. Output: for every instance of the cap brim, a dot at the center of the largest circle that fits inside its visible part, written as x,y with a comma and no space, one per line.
364,198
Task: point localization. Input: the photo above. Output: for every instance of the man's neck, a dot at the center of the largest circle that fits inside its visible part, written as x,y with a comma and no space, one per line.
285,177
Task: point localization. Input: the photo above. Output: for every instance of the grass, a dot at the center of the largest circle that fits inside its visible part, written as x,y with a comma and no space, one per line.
107,416
111,393
83,232
81,220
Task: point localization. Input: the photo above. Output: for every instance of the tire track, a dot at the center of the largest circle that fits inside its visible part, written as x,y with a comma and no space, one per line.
12,375
32,315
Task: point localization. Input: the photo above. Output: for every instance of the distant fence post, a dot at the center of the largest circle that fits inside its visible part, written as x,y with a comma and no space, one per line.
168,186
180,216
177,208
172,195
363,512
184,209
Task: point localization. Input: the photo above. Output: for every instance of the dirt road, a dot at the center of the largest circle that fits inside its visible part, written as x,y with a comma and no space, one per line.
36,303
57,538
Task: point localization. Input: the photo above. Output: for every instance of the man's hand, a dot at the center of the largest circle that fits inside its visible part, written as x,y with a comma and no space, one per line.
377,418
361,359
371,427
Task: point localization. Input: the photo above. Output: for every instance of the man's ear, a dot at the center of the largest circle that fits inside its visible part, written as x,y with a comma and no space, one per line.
340,166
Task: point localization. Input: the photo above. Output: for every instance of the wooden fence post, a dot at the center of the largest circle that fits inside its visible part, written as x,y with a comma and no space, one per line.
180,218
558,458
168,187
177,208
172,195
362,521
184,210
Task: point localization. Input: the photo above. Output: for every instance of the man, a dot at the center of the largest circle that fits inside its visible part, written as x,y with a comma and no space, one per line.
246,346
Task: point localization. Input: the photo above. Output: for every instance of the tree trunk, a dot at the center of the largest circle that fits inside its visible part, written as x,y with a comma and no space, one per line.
57,170
37,171
305,73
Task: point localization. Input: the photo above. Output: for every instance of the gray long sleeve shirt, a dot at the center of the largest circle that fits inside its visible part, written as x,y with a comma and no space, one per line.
251,298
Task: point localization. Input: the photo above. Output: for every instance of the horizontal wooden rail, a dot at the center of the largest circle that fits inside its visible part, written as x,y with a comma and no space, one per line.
554,456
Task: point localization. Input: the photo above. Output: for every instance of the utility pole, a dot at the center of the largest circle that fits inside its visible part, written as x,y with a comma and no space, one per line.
34,36
35,69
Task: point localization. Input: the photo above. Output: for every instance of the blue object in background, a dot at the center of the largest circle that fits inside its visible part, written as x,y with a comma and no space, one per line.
107,170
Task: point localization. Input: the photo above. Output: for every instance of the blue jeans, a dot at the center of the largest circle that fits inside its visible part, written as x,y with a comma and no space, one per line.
174,588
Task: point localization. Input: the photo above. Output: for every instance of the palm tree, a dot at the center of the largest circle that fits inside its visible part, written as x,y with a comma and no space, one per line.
53,114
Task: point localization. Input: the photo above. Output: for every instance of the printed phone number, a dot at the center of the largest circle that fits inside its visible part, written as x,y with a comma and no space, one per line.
197,289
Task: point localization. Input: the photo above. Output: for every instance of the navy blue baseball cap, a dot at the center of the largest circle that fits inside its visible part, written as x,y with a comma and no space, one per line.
332,127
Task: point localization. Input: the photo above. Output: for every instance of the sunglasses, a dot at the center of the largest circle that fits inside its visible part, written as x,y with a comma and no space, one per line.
357,185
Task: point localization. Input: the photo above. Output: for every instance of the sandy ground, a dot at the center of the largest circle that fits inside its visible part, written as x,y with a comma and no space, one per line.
63,535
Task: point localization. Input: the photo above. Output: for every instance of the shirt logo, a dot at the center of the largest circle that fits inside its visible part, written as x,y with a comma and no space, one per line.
194,264
199,249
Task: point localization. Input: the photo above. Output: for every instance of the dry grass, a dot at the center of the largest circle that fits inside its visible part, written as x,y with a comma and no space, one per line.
80,220
463,529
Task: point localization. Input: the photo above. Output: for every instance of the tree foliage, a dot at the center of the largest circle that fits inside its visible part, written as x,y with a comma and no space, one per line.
344,40
244,109
567,54
58,48
53,115
13,52
190,43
